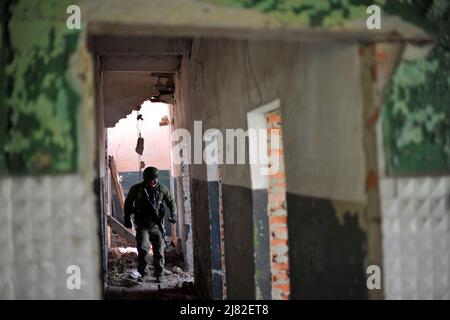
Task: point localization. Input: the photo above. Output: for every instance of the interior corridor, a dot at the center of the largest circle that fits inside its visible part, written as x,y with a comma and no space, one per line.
302,153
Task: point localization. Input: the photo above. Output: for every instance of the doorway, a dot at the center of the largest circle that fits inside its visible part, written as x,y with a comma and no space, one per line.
135,119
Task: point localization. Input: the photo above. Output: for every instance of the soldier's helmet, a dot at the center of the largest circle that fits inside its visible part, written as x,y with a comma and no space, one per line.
150,173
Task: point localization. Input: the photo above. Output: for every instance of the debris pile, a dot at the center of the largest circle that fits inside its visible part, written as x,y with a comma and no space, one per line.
174,256
122,267
117,241
121,263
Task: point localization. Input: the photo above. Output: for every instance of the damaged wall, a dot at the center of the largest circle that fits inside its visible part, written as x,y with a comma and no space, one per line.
326,181
43,123
308,12
414,185
4,55
221,82
122,139
416,116
223,92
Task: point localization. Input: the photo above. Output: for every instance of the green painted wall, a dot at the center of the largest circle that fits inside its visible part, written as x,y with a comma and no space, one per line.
324,13
41,101
39,104
3,62
416,116
416,111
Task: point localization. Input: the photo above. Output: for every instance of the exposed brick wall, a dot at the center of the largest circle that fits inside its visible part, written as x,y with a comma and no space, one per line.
278,213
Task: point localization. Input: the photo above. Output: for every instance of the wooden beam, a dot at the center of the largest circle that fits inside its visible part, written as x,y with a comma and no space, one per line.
121,230
116,181
141,63
117,45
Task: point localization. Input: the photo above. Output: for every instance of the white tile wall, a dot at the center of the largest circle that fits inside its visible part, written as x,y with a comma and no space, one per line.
47,224
416,237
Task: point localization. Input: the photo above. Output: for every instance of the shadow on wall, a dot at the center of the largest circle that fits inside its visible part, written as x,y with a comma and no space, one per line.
328,262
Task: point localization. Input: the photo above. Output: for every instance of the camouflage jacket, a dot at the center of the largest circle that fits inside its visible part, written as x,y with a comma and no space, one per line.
138,203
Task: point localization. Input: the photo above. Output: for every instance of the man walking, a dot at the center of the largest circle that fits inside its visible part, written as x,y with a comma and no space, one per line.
145,200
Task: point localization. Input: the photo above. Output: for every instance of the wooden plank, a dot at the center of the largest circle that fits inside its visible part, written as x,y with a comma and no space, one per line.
120,229
141,63
113,45
116,181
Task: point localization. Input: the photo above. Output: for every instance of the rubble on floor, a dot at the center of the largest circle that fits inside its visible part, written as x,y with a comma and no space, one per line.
118,241
122,265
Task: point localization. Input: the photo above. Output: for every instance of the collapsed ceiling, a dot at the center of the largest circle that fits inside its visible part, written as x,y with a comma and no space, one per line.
136,69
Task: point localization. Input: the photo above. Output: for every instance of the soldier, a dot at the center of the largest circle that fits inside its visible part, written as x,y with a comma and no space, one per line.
145,201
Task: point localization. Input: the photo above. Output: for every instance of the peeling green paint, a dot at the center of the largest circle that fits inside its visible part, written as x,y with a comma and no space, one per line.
416,110
315,13
43,101
40,108
256,244
4,56
416,116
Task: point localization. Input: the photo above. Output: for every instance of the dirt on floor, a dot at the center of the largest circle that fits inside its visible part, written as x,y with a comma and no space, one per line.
122,282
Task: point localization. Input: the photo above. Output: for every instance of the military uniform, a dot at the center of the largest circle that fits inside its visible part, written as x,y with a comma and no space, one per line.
146,203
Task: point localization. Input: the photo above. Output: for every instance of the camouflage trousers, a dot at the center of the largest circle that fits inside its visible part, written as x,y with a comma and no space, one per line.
145,237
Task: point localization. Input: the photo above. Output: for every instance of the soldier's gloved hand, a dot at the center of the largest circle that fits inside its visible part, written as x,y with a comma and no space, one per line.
128,224
172,220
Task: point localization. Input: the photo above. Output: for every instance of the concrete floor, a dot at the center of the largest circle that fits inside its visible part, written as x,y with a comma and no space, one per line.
175,284
169,289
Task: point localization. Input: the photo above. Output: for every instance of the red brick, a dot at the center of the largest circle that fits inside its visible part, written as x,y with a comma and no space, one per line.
279,174
280,266
284,287
278,197
276,242
280,276
278,219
